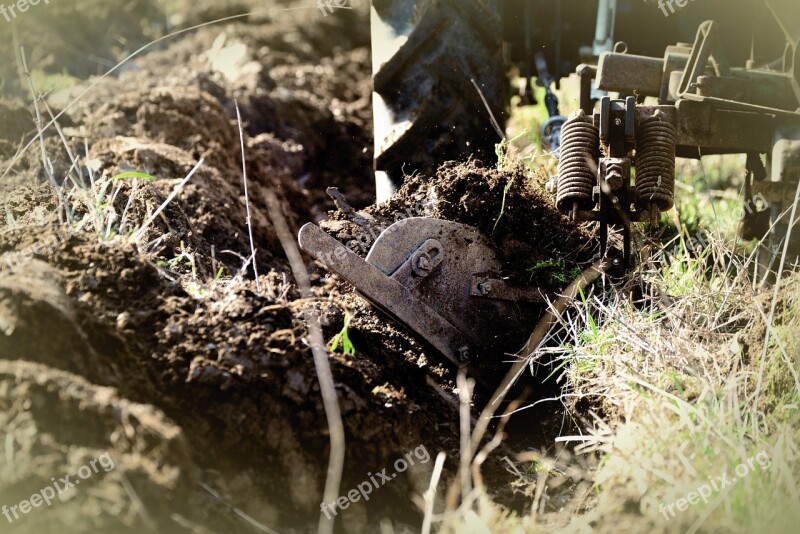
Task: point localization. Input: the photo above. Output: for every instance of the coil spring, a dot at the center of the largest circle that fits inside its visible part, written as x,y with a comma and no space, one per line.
656,140
577,166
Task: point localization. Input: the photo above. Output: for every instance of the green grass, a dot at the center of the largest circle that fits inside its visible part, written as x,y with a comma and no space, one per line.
556,270
48,83
506,189
342,339
133,174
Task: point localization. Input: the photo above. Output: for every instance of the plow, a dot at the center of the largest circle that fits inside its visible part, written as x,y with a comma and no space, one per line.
441,280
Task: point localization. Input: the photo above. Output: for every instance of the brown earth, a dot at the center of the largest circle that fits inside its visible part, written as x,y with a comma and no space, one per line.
166,355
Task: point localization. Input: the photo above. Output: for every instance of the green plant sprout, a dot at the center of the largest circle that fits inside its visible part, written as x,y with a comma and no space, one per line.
560,273
343,338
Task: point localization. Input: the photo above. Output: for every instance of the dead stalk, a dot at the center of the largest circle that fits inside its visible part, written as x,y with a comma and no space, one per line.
465,398
320,353
247,198
46,165
430,495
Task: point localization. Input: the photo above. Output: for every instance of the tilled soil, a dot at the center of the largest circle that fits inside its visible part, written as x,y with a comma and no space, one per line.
166,354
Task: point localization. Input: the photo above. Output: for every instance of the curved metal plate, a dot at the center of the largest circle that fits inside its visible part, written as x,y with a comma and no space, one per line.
422,273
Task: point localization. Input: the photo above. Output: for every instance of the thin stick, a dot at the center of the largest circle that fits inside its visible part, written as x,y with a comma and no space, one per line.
499,436
544,325
246,198
495,124
324,374
464,397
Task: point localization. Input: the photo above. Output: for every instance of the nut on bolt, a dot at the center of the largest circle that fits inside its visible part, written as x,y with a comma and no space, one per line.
463,354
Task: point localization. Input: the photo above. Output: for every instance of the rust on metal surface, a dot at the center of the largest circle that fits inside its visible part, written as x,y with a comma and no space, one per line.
440,280
628,73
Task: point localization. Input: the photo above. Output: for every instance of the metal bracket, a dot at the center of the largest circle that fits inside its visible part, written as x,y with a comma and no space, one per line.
421,264
698,59
494,288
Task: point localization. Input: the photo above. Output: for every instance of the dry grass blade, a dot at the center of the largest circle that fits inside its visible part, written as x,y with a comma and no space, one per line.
787,241
64,211
247,198
495,124
138,505
252,522
499,435
430,495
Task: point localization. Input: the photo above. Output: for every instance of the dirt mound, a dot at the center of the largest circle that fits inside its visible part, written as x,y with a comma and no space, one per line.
167,316
97,461
296,76
210,219
538,245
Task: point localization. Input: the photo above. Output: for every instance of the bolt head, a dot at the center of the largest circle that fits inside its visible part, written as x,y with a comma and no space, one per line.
423,263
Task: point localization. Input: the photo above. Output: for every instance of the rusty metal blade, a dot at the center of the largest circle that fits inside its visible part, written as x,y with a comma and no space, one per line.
442,281
384,292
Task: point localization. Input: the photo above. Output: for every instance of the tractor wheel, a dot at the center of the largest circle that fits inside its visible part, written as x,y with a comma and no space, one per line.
437,71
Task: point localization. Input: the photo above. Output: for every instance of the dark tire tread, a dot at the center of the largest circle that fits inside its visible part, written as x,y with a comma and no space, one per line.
428,80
